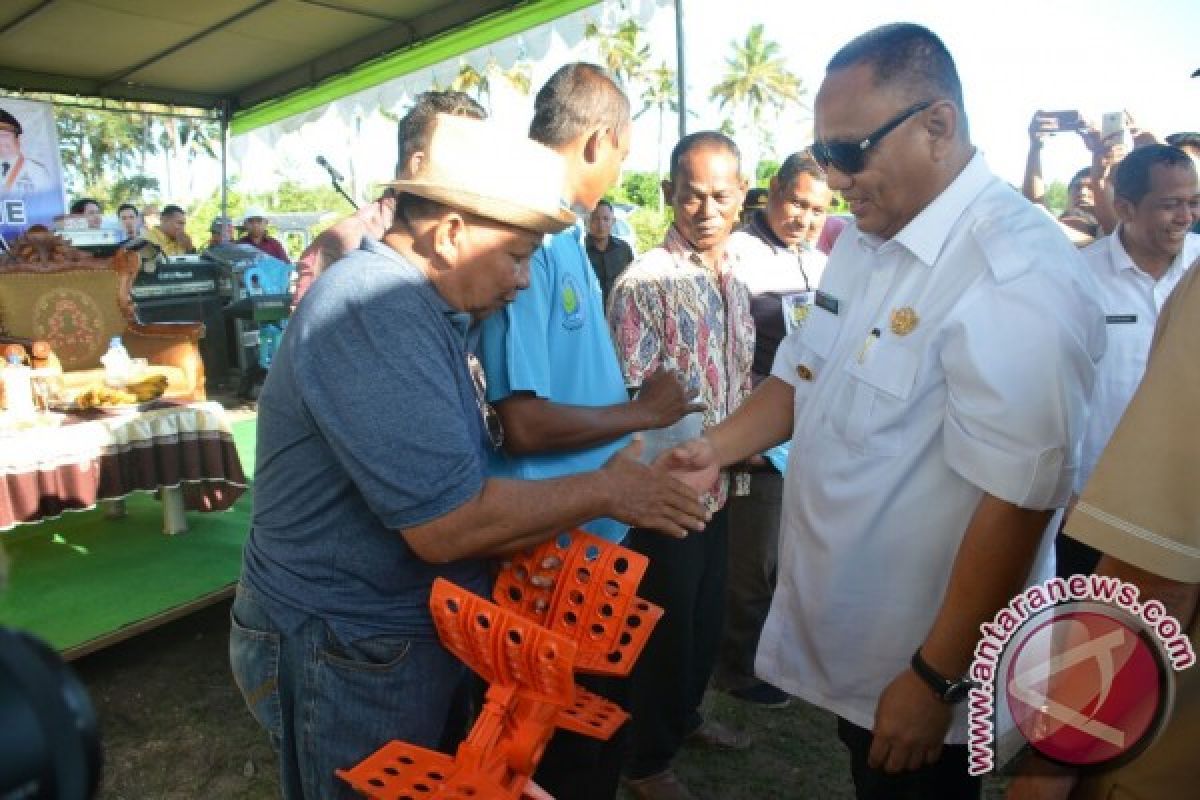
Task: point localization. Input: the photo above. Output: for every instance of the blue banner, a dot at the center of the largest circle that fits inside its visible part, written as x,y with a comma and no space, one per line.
31,184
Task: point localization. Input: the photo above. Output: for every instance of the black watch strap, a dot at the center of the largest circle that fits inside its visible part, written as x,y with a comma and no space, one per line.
947,691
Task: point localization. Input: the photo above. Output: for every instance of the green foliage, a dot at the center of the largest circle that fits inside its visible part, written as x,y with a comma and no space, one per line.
288,196
650,226
104,154
638,188
765,170
1056,197
624,50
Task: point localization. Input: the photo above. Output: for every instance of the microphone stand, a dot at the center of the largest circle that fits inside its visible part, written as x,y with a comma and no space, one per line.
338,187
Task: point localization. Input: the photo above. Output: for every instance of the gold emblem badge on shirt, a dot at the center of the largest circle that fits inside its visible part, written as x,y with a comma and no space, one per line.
904,320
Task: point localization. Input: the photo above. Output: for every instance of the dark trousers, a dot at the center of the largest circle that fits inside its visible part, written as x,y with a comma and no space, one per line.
753,564
687,578
945,779
1073,557
576,767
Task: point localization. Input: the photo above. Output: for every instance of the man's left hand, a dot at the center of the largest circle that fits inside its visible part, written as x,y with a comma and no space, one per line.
910,724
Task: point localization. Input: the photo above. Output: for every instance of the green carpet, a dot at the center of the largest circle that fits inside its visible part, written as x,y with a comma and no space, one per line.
81,577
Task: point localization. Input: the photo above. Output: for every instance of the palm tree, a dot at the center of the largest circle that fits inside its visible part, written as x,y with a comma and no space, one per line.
660,94
757,82
519,75
470,79
189,137
623,51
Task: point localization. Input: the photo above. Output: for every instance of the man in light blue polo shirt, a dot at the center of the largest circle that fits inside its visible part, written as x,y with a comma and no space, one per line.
552,371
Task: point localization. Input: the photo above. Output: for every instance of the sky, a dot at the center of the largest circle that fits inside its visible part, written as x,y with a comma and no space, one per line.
1014,57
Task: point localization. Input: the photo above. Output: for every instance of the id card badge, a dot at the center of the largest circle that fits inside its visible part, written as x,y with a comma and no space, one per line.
796,308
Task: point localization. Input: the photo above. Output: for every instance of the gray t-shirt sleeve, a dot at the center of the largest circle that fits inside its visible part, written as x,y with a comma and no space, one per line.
386,391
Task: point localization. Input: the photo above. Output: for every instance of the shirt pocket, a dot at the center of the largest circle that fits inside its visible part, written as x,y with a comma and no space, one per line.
878,392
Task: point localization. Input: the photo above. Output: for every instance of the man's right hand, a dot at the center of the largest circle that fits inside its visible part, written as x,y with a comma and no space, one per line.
646,497
664,399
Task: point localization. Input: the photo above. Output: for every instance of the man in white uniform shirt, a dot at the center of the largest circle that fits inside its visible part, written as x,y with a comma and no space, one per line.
781,271
1137,267
934,399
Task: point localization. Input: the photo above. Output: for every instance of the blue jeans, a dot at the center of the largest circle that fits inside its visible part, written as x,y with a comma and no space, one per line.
326,704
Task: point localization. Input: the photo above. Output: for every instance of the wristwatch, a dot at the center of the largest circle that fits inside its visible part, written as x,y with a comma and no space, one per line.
948,691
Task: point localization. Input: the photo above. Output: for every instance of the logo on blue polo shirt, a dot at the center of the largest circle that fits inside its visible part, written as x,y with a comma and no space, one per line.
571,296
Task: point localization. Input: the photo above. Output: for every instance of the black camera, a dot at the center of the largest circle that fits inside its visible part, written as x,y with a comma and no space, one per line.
49,739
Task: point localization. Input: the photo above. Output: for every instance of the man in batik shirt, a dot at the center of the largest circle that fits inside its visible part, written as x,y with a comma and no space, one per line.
679,306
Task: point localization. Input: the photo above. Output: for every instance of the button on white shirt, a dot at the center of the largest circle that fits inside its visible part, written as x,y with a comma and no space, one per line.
1131,301
901,427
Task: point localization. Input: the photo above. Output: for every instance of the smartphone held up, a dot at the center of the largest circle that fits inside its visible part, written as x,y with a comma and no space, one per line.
1060,121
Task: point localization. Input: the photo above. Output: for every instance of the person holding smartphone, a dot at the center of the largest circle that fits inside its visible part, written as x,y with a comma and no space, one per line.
1080,211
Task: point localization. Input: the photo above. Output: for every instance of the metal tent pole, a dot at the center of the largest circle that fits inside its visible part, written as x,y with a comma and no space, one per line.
225,160
680,72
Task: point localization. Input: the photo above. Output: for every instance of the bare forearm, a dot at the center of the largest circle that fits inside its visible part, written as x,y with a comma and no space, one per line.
509,515
762,422
1180,599
991,567
536,425
1102,201
1033,187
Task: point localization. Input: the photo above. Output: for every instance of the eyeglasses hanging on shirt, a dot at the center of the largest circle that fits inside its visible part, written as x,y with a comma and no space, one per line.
491,419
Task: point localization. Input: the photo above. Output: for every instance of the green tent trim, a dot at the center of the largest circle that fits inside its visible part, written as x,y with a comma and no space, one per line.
432,51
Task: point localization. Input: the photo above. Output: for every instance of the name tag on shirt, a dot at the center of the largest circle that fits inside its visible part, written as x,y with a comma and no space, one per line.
1120,319
796,307
827,302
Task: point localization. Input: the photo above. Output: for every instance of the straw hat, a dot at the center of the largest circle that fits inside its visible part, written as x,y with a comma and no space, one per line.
474,166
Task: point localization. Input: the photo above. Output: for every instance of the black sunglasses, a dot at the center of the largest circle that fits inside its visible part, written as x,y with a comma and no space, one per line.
850,157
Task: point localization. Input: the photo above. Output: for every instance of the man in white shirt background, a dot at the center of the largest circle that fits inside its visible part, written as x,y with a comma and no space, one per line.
934,398
781,270
1137,267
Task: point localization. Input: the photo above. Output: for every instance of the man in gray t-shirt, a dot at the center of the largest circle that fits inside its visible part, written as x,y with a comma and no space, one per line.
370,471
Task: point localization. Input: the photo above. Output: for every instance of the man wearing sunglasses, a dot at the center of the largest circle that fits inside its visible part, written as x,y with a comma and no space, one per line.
934,399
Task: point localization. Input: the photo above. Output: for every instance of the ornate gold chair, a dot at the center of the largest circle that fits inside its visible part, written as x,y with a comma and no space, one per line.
61,306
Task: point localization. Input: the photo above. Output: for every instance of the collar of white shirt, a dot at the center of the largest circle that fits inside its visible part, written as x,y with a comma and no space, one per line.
1121,259
926,234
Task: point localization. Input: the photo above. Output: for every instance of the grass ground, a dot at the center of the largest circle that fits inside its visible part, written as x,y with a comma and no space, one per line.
174,728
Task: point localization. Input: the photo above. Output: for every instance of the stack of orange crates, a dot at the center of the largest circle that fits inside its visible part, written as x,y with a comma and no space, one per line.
568,606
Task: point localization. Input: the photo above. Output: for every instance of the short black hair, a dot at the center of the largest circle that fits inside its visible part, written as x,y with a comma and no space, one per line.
1132,180
908,55
80,205
603,202
170,210
7,120
1078,177
129,206
798,164
702,139
416,126
1185,139
577,97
